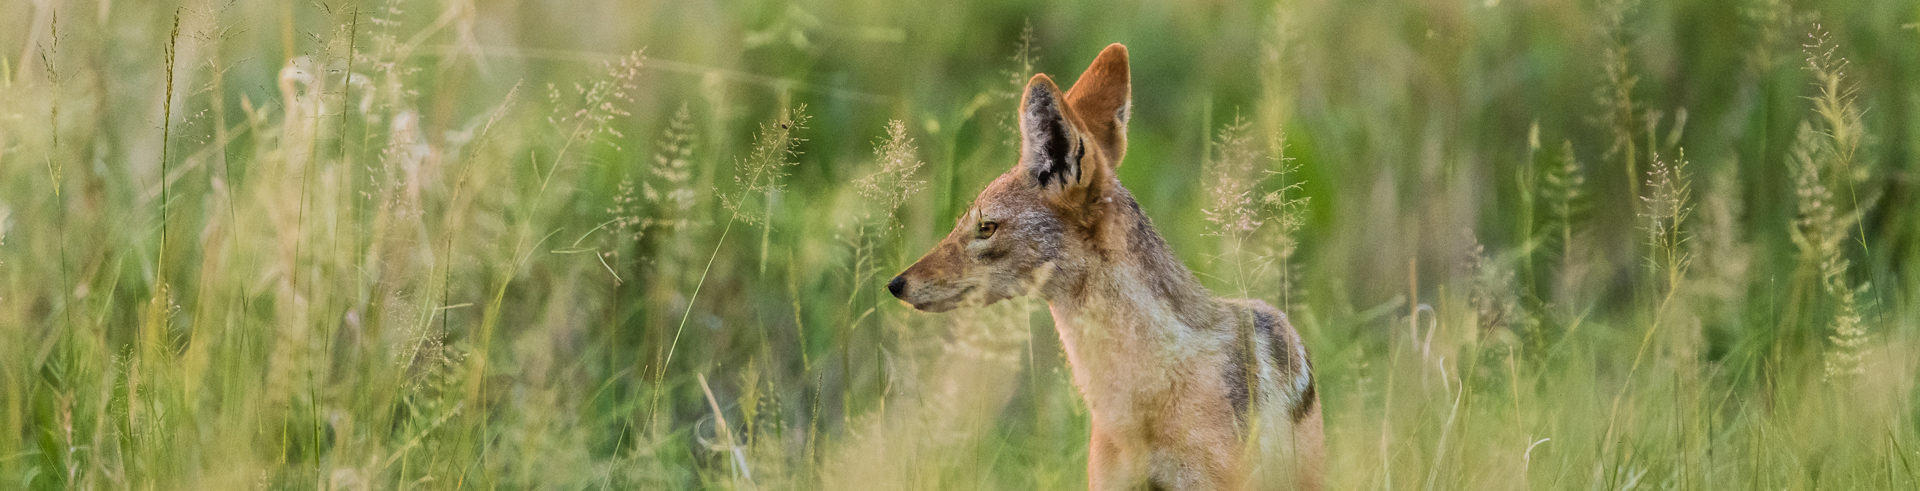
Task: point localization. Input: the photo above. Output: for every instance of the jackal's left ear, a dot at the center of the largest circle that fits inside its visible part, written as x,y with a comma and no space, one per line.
1101,98
1052,149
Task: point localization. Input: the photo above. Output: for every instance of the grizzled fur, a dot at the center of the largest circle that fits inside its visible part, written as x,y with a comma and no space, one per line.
1185,391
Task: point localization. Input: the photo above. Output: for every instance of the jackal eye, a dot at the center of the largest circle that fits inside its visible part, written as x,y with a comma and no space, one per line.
986,229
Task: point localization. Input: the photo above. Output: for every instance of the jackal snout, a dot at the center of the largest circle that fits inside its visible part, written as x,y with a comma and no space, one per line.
925,289
927,296
938,282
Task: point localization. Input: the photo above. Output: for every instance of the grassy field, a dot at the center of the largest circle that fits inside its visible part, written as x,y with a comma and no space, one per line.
480,244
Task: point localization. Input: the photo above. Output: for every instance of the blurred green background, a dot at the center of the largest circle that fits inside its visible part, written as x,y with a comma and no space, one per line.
639,245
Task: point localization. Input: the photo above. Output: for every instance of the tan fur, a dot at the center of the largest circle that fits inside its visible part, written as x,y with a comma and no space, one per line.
1186,391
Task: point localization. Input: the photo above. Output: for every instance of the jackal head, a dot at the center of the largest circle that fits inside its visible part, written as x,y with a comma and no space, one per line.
1037,227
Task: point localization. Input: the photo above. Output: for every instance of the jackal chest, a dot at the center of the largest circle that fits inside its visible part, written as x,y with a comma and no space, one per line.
1128,370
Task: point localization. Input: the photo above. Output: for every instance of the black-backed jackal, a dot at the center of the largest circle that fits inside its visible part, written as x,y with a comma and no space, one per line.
1186,391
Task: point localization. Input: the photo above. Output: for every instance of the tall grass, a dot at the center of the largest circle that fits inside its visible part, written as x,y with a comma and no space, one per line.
642,245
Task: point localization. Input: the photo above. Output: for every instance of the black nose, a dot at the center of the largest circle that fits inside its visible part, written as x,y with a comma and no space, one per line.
898,285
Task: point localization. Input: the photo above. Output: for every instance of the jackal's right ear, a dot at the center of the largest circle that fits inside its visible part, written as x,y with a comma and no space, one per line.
1051,148
1101,98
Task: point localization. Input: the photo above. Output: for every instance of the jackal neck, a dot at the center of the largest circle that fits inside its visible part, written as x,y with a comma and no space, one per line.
1133,271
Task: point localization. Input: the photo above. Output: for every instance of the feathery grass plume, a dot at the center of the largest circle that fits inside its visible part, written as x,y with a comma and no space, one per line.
56,166
597,103
892,184
1725,257
1255,211
1820,233
1024,57
1824,156
670,189
396,184
1288,214
1664,211
1770,20
1822,225
405,161
1491,290
772,172
1231,211
1839,118
1256,223
760,175
387,61
1563,190
627,212
1616,96
663,198
1565,197
595,106
1849,337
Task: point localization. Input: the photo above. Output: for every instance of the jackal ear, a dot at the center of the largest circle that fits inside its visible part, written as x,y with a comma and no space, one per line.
1050,147
1101,99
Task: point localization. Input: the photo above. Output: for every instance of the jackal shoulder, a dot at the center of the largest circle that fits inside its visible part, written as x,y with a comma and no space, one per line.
1271,347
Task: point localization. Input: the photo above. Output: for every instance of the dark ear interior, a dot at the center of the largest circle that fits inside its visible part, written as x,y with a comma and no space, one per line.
1050,149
